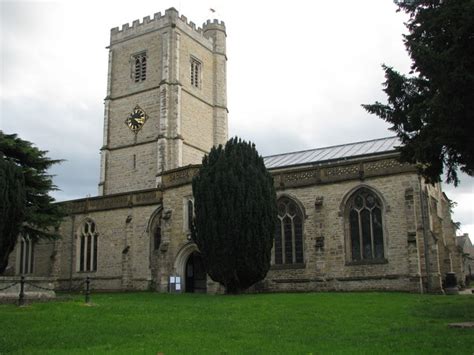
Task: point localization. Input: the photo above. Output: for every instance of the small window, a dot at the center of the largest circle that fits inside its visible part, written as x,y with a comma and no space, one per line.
87,245
27,255
157,238
188,214
195,73
139,67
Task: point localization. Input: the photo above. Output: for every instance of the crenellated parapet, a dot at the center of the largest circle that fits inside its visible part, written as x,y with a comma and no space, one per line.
171,18
213,25
215,30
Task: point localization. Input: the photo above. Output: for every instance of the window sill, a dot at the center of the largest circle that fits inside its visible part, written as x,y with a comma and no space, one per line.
86,272
367,262
287,266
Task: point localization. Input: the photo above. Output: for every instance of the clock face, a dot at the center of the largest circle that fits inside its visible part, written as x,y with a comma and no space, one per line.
136,119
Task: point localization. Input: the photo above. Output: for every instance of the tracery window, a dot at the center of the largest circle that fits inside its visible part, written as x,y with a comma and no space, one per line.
365,226
139,67
288,247
195,72
27,255
87,244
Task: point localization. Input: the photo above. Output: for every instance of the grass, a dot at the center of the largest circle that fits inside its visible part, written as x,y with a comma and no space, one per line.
252,324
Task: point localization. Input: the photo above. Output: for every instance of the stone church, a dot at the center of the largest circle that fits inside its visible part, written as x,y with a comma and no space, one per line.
351,217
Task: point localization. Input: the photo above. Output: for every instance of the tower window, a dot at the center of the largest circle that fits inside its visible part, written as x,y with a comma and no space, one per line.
139,67
195,72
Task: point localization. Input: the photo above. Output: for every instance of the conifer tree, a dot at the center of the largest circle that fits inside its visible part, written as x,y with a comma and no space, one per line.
235,215
12,208
432,110
26,207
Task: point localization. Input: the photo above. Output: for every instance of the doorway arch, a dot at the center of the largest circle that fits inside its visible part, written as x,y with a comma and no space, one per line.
195,274
189,255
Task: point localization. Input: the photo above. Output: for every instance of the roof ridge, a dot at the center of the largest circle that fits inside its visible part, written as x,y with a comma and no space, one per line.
331,146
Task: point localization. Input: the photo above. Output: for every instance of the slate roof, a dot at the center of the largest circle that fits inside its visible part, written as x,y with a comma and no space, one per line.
334,153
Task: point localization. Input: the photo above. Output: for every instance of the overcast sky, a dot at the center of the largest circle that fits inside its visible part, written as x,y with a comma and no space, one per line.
297,74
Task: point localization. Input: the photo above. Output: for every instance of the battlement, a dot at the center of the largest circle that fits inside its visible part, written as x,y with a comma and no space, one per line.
171,18
213,25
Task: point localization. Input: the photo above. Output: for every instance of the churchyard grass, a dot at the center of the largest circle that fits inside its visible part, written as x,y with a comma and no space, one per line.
322,323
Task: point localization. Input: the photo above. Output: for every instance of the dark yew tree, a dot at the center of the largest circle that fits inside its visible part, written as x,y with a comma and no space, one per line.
235,215
26,206
432,111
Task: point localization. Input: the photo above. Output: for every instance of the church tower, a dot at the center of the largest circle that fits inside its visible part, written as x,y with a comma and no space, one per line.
166,102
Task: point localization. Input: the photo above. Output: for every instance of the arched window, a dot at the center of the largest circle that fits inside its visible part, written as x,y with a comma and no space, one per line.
364,214
188,214
289,233
26,255
87,245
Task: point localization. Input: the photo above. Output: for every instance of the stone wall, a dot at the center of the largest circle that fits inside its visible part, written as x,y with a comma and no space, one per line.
329,266
416,239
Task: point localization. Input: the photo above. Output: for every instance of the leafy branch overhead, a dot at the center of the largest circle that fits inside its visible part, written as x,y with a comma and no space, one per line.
432,110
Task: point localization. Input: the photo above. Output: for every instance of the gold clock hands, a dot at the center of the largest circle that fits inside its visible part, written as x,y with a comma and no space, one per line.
136,119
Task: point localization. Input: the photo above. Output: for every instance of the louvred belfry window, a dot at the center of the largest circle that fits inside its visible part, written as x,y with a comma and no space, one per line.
195,73
139,67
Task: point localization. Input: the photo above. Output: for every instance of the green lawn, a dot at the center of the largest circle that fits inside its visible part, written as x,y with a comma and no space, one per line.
269,323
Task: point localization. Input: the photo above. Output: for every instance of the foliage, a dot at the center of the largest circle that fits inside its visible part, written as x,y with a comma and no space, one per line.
12,208
235,215
432,110
39,215
317,323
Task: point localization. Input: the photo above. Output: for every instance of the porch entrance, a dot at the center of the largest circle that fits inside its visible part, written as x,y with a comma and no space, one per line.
196,277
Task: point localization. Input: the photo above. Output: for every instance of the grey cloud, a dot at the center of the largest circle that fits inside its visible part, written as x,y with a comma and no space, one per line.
68,132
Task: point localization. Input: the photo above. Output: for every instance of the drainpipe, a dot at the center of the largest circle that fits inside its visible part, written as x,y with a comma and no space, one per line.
425,224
